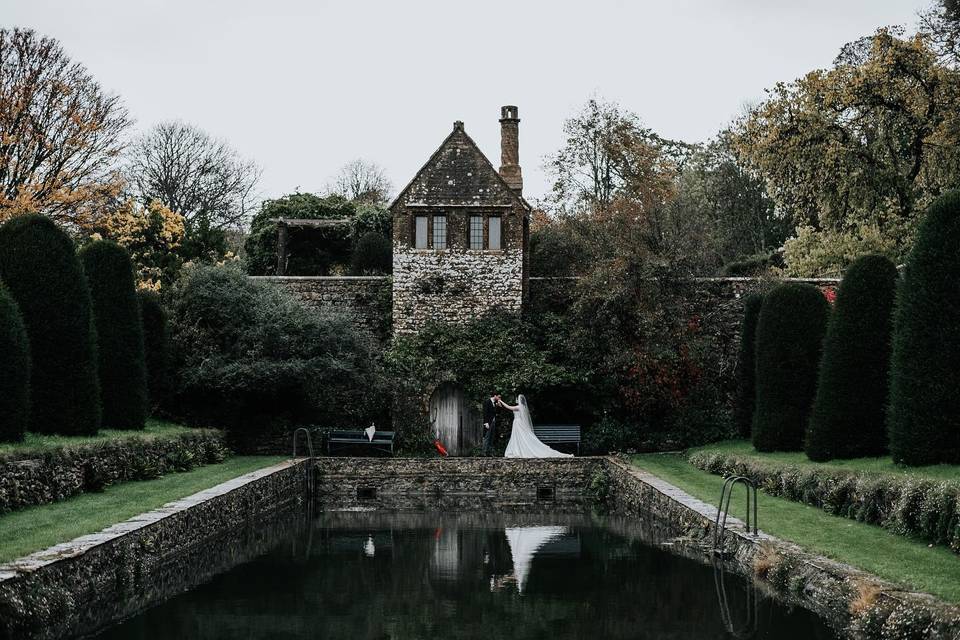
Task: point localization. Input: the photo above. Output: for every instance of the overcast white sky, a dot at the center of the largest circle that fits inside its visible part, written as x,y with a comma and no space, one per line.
303,86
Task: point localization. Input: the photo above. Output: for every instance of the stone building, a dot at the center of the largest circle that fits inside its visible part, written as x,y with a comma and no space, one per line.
461,233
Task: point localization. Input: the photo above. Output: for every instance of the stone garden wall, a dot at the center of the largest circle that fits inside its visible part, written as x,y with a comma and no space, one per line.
366,300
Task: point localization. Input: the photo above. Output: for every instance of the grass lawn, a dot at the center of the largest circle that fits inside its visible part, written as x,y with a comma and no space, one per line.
743,448
41,442
34,528
901,560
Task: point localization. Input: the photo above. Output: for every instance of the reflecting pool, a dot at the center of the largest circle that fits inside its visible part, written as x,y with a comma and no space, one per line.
376,575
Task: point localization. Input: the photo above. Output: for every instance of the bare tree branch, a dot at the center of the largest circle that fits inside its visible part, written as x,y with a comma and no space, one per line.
193,174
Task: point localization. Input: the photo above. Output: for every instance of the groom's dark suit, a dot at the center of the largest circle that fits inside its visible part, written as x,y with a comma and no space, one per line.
490,420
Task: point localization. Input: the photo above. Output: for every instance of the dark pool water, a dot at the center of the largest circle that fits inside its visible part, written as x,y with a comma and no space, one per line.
376,576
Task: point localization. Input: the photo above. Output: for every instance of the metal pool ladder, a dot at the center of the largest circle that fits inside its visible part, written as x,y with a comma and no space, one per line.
723,509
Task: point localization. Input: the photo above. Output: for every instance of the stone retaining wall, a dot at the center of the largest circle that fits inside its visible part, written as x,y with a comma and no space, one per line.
79,586
455,482
366,300
855,603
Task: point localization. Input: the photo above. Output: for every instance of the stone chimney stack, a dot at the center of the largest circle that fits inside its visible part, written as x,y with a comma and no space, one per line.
510,148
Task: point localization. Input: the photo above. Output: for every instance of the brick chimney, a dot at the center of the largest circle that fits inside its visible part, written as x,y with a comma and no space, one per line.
510,148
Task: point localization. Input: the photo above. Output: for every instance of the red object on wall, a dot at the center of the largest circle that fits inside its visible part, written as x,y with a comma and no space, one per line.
830,294
440,448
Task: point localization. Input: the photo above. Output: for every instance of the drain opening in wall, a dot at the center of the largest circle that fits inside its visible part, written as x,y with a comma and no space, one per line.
545,493
366,493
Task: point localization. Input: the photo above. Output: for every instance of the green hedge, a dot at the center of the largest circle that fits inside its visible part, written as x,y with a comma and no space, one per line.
14,371
790,330
914,507
156,343
31,477
924,415
39,265
373,255
848,419
116,313
746,365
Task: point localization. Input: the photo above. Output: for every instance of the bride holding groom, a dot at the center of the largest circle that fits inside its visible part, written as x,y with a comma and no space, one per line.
523,443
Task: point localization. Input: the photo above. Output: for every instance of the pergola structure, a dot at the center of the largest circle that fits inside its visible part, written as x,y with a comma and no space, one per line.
283,230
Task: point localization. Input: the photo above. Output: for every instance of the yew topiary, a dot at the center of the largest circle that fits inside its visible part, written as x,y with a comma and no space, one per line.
923,420
40,267
156,346
848,419
790,331
116,312
746,365
14,371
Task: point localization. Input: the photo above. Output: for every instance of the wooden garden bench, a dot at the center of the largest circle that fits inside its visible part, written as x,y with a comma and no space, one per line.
562,434
340,440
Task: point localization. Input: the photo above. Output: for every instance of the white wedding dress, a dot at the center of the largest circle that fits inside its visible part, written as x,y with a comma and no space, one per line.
524,443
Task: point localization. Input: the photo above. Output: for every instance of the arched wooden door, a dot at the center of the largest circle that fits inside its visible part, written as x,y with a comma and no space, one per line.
455,423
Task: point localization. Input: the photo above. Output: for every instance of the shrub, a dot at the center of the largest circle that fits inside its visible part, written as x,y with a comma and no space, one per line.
40,267
116,313
14,371
58,473
914,507
156,346
373,255
789,335
924,416
309,251
746,365
849,409
249,357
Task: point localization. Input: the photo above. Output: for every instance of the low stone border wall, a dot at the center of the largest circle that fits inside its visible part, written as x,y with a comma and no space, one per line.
456,483
79,586
44,476
854,602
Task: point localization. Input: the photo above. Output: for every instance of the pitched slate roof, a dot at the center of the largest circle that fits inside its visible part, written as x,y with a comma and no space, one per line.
458,174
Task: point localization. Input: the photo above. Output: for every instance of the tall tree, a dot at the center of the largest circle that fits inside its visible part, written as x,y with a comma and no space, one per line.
116,315
40,267
609,155
363,182
853,153
60,133
197,176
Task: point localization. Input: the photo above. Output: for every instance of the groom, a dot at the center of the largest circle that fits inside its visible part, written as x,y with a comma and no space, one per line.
490,422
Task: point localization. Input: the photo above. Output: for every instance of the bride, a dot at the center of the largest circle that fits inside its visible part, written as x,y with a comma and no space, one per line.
523,441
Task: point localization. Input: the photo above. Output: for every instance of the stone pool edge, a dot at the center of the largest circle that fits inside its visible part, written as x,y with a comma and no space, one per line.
828,588
56,590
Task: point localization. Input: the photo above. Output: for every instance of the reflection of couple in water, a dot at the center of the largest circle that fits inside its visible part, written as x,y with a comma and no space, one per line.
524,543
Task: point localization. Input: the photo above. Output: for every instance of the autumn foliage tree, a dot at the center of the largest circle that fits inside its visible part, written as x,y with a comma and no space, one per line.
856,152
60,133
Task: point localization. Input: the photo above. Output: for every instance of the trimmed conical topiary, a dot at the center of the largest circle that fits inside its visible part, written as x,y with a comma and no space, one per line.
746,365
790,330
155,345
14,371
39,265
923,420
116,312
848,419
